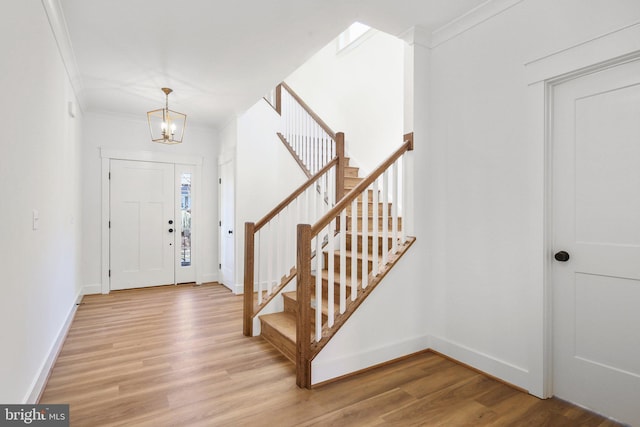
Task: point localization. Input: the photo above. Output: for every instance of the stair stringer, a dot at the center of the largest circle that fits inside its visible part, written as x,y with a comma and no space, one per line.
390,323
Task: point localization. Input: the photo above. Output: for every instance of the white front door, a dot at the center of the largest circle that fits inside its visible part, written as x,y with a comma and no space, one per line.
596,221
142,224
227,213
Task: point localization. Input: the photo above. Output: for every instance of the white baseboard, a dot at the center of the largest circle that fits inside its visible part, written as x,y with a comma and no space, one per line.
231,287
37,387
93,289
488,364
209,278
324,370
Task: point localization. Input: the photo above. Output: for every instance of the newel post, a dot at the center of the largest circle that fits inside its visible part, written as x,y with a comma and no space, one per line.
340,167
279,99
247,318
303,296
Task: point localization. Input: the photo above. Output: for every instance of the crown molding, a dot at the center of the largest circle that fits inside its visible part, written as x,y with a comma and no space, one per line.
474,17
616,46
417,36
58,24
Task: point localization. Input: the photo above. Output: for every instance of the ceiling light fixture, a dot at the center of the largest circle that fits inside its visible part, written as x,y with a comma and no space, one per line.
166,126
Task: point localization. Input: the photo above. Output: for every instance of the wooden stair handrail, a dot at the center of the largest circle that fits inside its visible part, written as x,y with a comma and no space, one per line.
362,186
308,109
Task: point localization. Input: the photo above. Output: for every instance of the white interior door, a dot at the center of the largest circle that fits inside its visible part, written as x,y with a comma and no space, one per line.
596,217
227,213
142,240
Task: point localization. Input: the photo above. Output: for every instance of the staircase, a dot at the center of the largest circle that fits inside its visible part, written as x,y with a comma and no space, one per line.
337,235
280,328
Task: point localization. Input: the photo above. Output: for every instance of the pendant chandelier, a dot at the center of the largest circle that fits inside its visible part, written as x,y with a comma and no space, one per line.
166,126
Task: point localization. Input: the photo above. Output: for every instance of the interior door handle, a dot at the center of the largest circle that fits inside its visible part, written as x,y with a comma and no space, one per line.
230,231
562,256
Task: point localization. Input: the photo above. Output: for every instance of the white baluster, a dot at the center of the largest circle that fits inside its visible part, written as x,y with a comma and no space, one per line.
300,131
270,257
331,272
354,249
385,217
287,115
365,239
307,124
317,149
318,287
403,199
285,229
394,209
343,261
256,242
375,233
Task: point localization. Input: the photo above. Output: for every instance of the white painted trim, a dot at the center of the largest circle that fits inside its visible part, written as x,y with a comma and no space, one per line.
417,36
144,156
197,196
486,363
92,289
40,381
239,289
328,369
60,31
604,51
150,156
106,204
614,44
209,278
536,114
474,17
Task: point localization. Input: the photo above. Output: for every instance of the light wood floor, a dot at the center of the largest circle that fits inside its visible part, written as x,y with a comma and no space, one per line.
175,356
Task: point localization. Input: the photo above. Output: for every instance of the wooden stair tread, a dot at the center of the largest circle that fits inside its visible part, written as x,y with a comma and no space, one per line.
351,171
284,322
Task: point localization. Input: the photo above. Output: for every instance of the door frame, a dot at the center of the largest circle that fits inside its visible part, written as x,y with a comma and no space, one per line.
542,74
106,156
223,160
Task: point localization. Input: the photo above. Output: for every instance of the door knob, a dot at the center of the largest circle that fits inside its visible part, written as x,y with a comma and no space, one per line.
171,230
562,256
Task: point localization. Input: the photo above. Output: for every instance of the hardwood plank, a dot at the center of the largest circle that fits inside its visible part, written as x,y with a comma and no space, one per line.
176,355
364,412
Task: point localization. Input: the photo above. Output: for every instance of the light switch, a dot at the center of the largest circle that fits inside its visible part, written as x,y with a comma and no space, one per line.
36,219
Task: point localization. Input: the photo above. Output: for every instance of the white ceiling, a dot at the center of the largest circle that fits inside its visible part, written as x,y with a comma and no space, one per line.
219,57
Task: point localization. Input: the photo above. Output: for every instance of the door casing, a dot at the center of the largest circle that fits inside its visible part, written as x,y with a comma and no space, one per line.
541,74
144,156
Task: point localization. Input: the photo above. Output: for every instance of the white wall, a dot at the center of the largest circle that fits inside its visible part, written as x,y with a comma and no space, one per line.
358,91
40,170
132,134
388,325
482,300
266,173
